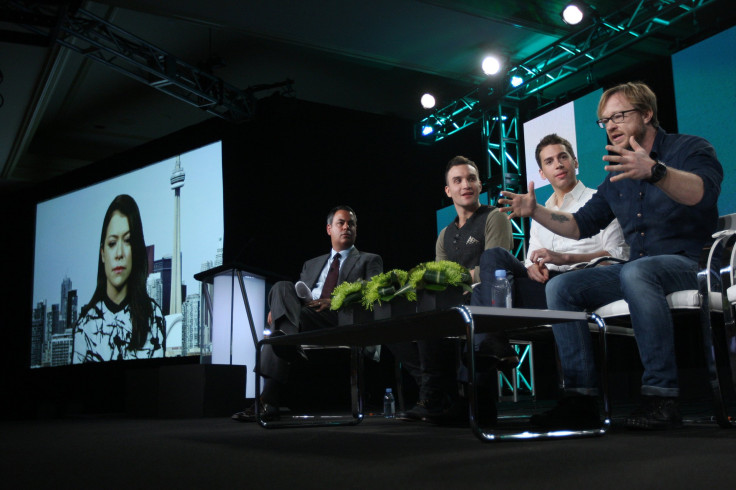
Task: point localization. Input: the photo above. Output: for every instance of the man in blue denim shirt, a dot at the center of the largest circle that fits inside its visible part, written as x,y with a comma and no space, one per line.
663,189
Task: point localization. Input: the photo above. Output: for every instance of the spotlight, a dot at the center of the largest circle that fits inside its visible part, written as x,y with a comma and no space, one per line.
428,101
427,129
516,81
572,14
578,11
491,65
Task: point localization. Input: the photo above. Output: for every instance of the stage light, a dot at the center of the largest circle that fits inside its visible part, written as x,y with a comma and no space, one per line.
491,65
516,81
428,101
427,129
572,14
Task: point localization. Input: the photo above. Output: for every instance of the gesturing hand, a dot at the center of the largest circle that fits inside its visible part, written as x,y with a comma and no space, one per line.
631,163
520,205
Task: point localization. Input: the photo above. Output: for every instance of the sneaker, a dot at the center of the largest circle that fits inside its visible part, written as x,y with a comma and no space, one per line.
655,413
573,412
269,413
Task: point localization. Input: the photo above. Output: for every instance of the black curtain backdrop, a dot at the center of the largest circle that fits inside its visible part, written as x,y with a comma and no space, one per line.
282,172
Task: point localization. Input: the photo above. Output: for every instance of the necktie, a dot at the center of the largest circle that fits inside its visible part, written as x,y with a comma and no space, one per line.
331,279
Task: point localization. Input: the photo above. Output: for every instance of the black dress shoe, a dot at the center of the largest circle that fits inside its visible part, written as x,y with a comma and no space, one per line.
496,348
288,353
269,413
655,413
428,409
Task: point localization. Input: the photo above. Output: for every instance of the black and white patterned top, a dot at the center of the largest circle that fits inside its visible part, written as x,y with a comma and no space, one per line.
104,334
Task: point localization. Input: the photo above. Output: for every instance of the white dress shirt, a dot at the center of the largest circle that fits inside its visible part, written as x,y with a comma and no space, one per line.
610,239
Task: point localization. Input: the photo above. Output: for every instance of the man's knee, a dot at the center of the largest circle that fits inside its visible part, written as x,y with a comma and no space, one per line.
282,286
639,272
280,292
556,290
493,257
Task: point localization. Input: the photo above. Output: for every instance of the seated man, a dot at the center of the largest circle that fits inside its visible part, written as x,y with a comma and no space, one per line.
663,189
289,314
434,364
550,254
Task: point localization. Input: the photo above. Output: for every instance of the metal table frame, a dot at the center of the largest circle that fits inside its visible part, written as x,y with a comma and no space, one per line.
453,322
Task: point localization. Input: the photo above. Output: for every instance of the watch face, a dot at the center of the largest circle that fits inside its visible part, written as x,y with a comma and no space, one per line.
658,172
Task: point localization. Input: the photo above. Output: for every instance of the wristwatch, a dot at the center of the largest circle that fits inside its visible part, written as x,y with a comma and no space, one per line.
659,170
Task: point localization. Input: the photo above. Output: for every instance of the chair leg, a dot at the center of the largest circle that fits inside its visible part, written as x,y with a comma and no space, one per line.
710,281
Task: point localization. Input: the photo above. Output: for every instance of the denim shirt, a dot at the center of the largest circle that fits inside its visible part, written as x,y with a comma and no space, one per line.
653,223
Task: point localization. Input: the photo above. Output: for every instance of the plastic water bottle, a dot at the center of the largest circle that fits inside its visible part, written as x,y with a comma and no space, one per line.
389,404
501,290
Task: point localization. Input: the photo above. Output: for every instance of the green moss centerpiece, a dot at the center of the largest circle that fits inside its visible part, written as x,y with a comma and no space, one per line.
390,295
440,284
347,301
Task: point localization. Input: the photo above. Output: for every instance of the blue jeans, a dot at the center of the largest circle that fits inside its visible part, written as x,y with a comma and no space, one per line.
643,283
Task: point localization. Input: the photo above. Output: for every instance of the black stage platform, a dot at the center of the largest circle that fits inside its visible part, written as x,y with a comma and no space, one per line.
114,451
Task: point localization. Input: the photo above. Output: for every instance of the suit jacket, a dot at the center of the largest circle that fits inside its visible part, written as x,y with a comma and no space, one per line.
358,265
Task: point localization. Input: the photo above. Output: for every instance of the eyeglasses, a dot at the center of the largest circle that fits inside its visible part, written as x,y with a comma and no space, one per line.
616,117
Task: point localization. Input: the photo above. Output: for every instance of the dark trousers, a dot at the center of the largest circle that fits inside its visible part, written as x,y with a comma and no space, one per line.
289,316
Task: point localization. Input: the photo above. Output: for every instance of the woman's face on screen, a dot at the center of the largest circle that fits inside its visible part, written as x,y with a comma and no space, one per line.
117,256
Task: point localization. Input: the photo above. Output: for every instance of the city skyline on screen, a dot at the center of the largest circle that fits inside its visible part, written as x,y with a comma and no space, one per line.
68,227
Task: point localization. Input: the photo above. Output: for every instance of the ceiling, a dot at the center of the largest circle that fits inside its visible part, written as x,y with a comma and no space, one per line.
61,110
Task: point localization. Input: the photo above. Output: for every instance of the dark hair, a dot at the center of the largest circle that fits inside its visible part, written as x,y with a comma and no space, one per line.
141,310
640,96
552,139
460,160
341,207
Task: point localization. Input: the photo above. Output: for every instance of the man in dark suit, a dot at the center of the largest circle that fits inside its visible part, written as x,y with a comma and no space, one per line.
306,305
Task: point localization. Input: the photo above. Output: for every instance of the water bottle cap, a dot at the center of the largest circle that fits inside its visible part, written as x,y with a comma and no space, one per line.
501,273
388,390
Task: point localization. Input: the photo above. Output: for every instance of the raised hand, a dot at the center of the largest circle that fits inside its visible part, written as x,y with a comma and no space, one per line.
633,163
519,205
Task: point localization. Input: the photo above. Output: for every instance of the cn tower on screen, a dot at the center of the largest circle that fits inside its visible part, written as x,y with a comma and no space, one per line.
177,182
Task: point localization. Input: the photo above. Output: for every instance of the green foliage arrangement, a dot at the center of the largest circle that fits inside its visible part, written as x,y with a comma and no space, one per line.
347,294
433,276
387,286
437,276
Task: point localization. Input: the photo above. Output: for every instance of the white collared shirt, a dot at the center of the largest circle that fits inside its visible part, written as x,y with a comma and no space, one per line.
610,239
344,254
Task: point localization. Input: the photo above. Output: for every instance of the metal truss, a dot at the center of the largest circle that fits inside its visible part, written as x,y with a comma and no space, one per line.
501,134
454,117
573,53
522,377
97,39
604,37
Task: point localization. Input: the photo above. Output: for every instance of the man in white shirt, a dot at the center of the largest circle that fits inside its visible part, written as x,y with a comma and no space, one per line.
550,254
